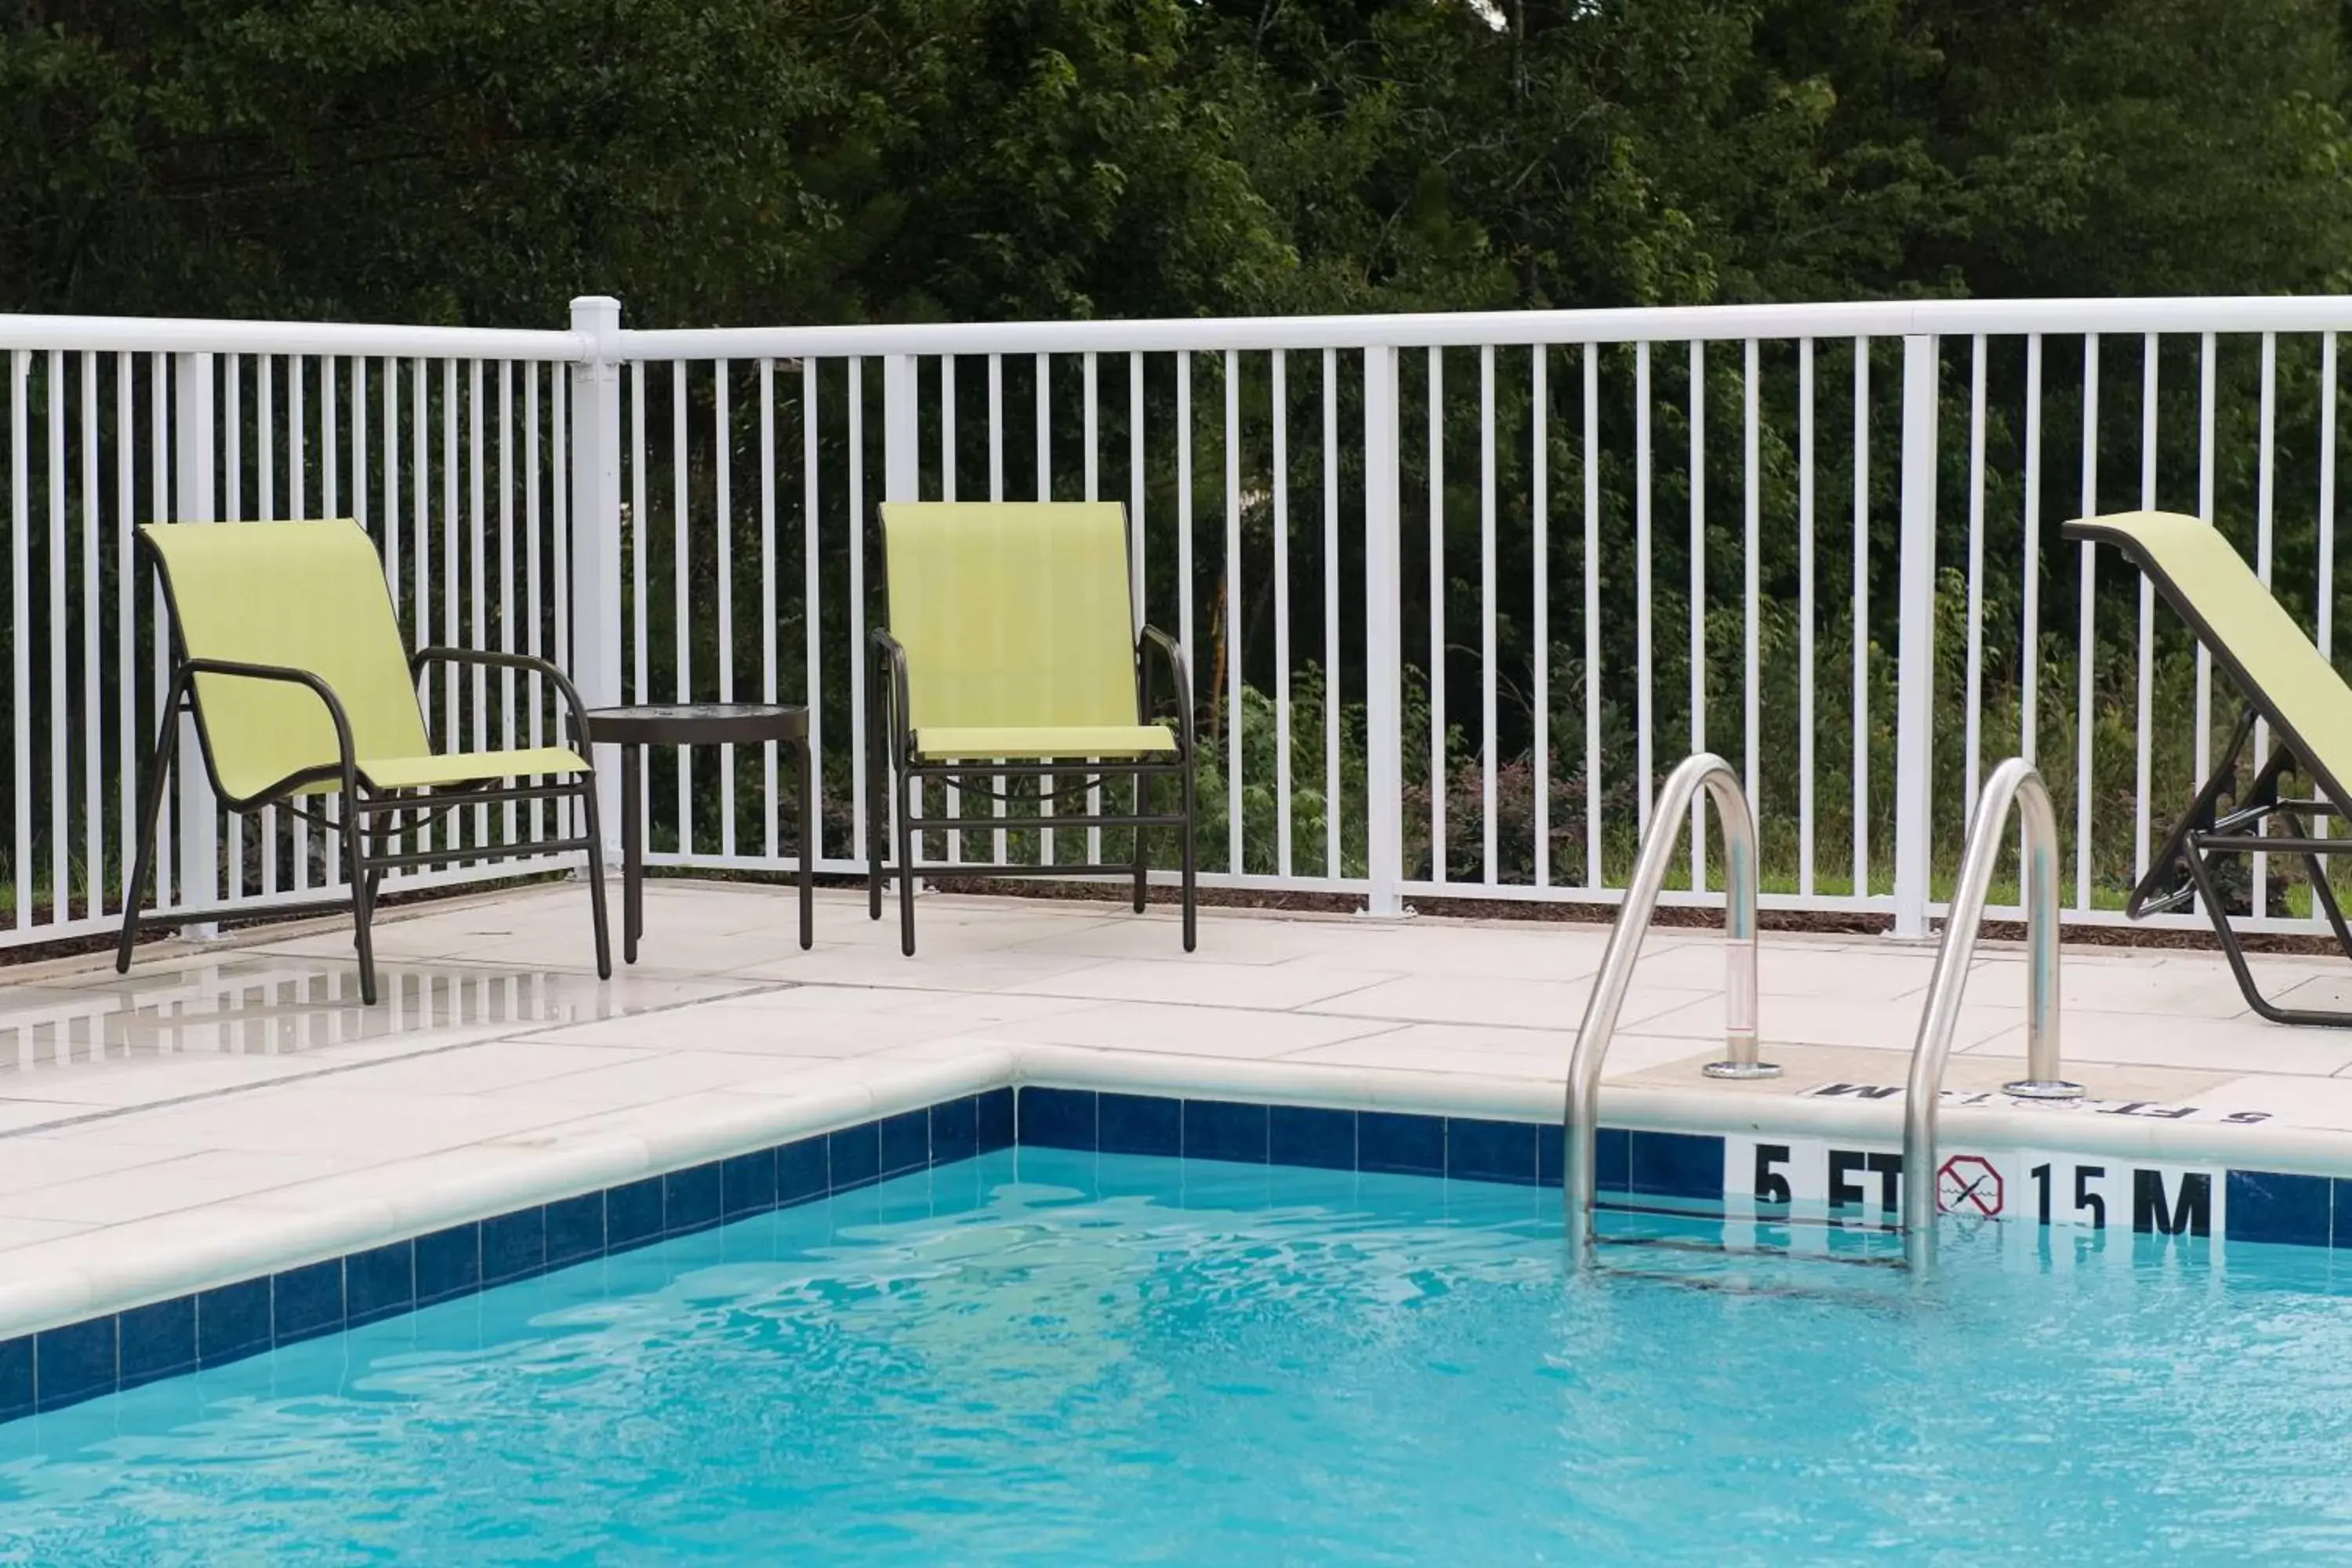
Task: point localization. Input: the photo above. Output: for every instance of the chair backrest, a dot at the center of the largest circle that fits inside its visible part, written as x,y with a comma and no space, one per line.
2278,668
307,595
1012,612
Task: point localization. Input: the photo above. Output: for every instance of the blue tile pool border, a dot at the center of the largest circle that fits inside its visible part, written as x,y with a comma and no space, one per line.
65,1365
79,1360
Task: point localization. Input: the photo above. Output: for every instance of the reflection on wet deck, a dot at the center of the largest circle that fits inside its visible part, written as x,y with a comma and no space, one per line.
268,1006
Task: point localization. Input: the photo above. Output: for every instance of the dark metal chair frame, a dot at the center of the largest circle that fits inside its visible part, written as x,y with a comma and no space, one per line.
2181,872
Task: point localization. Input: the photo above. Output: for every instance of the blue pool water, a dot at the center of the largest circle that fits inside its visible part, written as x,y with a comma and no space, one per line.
1045,1357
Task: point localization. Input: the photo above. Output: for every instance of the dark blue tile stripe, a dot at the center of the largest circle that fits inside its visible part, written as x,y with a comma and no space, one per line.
1225,1129
16,1377
448,1264
993,1119
232,1322
74,1363
514,1246
152,1341
1140,1124
66,1365
380,1283
856,1155
1309,1135
1675,1165
690,1198
802,1171
1057,1118
1472,1149
906,1142
1394,1142
1495,1152
633,1214
575,1229
305,1302
955,1131
62,1366
747,1184
2267,1206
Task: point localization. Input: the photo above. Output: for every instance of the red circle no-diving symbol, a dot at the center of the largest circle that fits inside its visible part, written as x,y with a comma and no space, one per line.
1967,1184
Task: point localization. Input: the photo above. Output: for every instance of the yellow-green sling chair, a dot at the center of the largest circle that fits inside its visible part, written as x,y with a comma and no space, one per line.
1009,650
285,647
2286,682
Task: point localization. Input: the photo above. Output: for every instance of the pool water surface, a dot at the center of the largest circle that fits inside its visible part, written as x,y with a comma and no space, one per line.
1047,1357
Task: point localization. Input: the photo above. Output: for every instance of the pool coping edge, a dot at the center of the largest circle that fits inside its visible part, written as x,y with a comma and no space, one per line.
58,1304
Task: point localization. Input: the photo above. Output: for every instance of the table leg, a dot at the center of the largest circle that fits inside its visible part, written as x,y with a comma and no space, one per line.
809,839
633,850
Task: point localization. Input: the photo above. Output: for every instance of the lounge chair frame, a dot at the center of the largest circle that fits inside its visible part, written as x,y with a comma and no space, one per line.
369,823
2181,872
896,775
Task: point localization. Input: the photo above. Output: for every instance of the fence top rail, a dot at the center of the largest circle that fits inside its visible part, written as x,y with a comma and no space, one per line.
1679,323
172,334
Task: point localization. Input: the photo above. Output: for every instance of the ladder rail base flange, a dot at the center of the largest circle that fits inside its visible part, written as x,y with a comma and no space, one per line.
2053,1089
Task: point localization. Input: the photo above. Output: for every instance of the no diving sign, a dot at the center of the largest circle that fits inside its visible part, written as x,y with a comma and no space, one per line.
1968,1184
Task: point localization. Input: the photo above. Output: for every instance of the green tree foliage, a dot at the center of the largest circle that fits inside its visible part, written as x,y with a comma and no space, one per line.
731,162
750,160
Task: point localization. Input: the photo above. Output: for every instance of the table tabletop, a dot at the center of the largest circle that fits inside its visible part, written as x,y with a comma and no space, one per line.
697,724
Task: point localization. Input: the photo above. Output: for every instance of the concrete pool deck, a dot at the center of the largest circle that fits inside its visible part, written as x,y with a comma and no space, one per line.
229,1108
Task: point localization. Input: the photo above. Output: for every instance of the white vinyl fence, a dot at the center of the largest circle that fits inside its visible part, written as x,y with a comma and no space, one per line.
1455,590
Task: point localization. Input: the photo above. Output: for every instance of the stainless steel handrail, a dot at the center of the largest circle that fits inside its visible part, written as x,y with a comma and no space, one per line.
1581,1118
2014,782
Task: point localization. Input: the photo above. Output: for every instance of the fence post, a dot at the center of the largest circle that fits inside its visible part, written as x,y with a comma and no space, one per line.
595,436
902,479
901,459
1383,639
192,501
1914,715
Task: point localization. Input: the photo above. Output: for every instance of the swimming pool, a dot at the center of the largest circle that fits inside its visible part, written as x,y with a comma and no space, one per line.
1048,1356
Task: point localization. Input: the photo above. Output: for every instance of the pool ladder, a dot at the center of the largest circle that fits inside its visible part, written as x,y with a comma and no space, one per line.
2015,783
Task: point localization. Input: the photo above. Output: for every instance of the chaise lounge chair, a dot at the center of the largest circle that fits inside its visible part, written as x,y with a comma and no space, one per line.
2285,680
1009,651
285,646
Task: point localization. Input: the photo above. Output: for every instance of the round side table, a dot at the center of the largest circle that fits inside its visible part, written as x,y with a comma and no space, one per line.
698,724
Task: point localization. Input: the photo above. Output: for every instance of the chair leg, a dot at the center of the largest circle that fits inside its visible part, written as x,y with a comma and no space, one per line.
158,774
364,878
633,850
2201,872
2324,896
1142,836
878,769
904,843
385,836
595,836
1192,858
2321,893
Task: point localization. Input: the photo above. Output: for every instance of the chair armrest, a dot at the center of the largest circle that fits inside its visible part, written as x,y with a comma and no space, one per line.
237,669
890,684
523,661
1153,640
